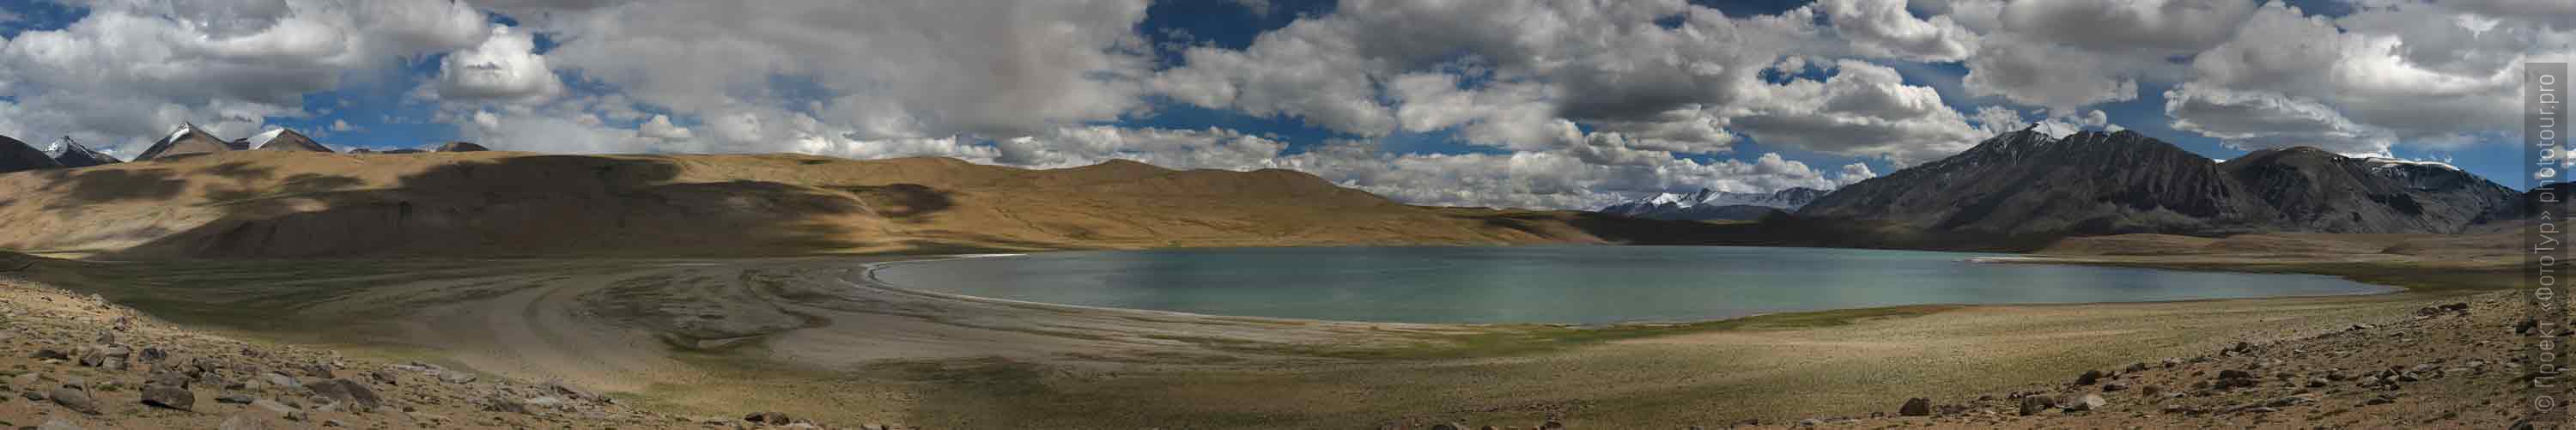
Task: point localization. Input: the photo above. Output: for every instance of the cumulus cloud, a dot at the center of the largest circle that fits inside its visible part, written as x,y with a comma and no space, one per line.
660,128
1863,110
881,70
505,67
130,70
1883,28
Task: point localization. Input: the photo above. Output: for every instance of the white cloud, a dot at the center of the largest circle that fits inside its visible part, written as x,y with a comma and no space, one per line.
130,70
505,67
342,125
1862,110
660,128
882,70
1883,28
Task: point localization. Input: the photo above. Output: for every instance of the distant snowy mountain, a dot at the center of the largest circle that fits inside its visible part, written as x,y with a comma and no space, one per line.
70,153
1713,205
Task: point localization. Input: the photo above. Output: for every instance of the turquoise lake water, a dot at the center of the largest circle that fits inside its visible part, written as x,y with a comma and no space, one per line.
1561,284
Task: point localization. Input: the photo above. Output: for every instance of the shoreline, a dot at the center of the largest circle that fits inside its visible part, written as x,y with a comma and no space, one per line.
807,328
867,278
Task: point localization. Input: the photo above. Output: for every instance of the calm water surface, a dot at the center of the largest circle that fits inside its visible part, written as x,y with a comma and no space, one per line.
1561,284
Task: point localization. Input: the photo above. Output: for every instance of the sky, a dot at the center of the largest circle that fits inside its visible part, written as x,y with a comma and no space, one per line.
1501,103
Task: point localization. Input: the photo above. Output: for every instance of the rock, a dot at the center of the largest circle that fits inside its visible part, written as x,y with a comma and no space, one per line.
235,398
2408,377
2234,374
333,423
1551,424
1810,422
73,399
319,370
58,424
504,404
2089,377
2033,405
1915,407
50,354
247,421
2171,362
383,377
1448,426
282,381
26,380
2152,390
347,391
2086,402
769,417
274,406
169,397
173,379
152,355
455,377
2289,401
567,390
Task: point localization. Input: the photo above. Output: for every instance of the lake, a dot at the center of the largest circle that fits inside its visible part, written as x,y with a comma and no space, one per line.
1561,284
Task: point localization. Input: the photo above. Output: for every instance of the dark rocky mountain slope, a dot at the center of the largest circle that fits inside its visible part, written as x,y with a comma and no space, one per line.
71,153
2027,184
1715,205
17,156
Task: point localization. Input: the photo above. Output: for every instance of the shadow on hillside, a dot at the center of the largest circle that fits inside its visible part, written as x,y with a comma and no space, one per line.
82,187
1776,230
509,207
911,203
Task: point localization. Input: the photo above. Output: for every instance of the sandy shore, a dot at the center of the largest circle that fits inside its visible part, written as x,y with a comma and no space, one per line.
798,335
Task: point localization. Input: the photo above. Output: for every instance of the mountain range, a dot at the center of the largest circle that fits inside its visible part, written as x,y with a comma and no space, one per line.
1716,205
70,153
2028,184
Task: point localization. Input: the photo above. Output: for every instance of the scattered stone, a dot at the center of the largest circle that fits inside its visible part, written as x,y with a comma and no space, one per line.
1915,407
235,398
1810,422
769,417
169,397
50,354
282,381
383,377
58,424
73,399
2033,405
504,404
2114,386
2086,402
455,377
2089,377
247,421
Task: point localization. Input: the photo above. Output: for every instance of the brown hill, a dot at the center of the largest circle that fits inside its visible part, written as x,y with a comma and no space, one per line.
287,140
186,140
262,204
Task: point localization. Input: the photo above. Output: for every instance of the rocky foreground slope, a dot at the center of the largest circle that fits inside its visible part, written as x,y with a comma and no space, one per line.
2026,183
271,204
79,362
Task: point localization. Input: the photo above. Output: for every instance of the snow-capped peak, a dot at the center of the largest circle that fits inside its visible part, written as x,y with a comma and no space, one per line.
261,140
2386,161
183,130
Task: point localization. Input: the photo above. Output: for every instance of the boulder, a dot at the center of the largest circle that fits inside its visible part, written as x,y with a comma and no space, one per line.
73,399
169,397
2086,402
1915,407
2033,405
2089,377
347,391
769,417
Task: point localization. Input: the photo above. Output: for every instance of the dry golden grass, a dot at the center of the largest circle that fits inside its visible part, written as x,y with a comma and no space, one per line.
264,204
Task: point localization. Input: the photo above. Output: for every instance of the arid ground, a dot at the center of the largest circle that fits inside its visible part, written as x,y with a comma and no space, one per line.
690,287
812,337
